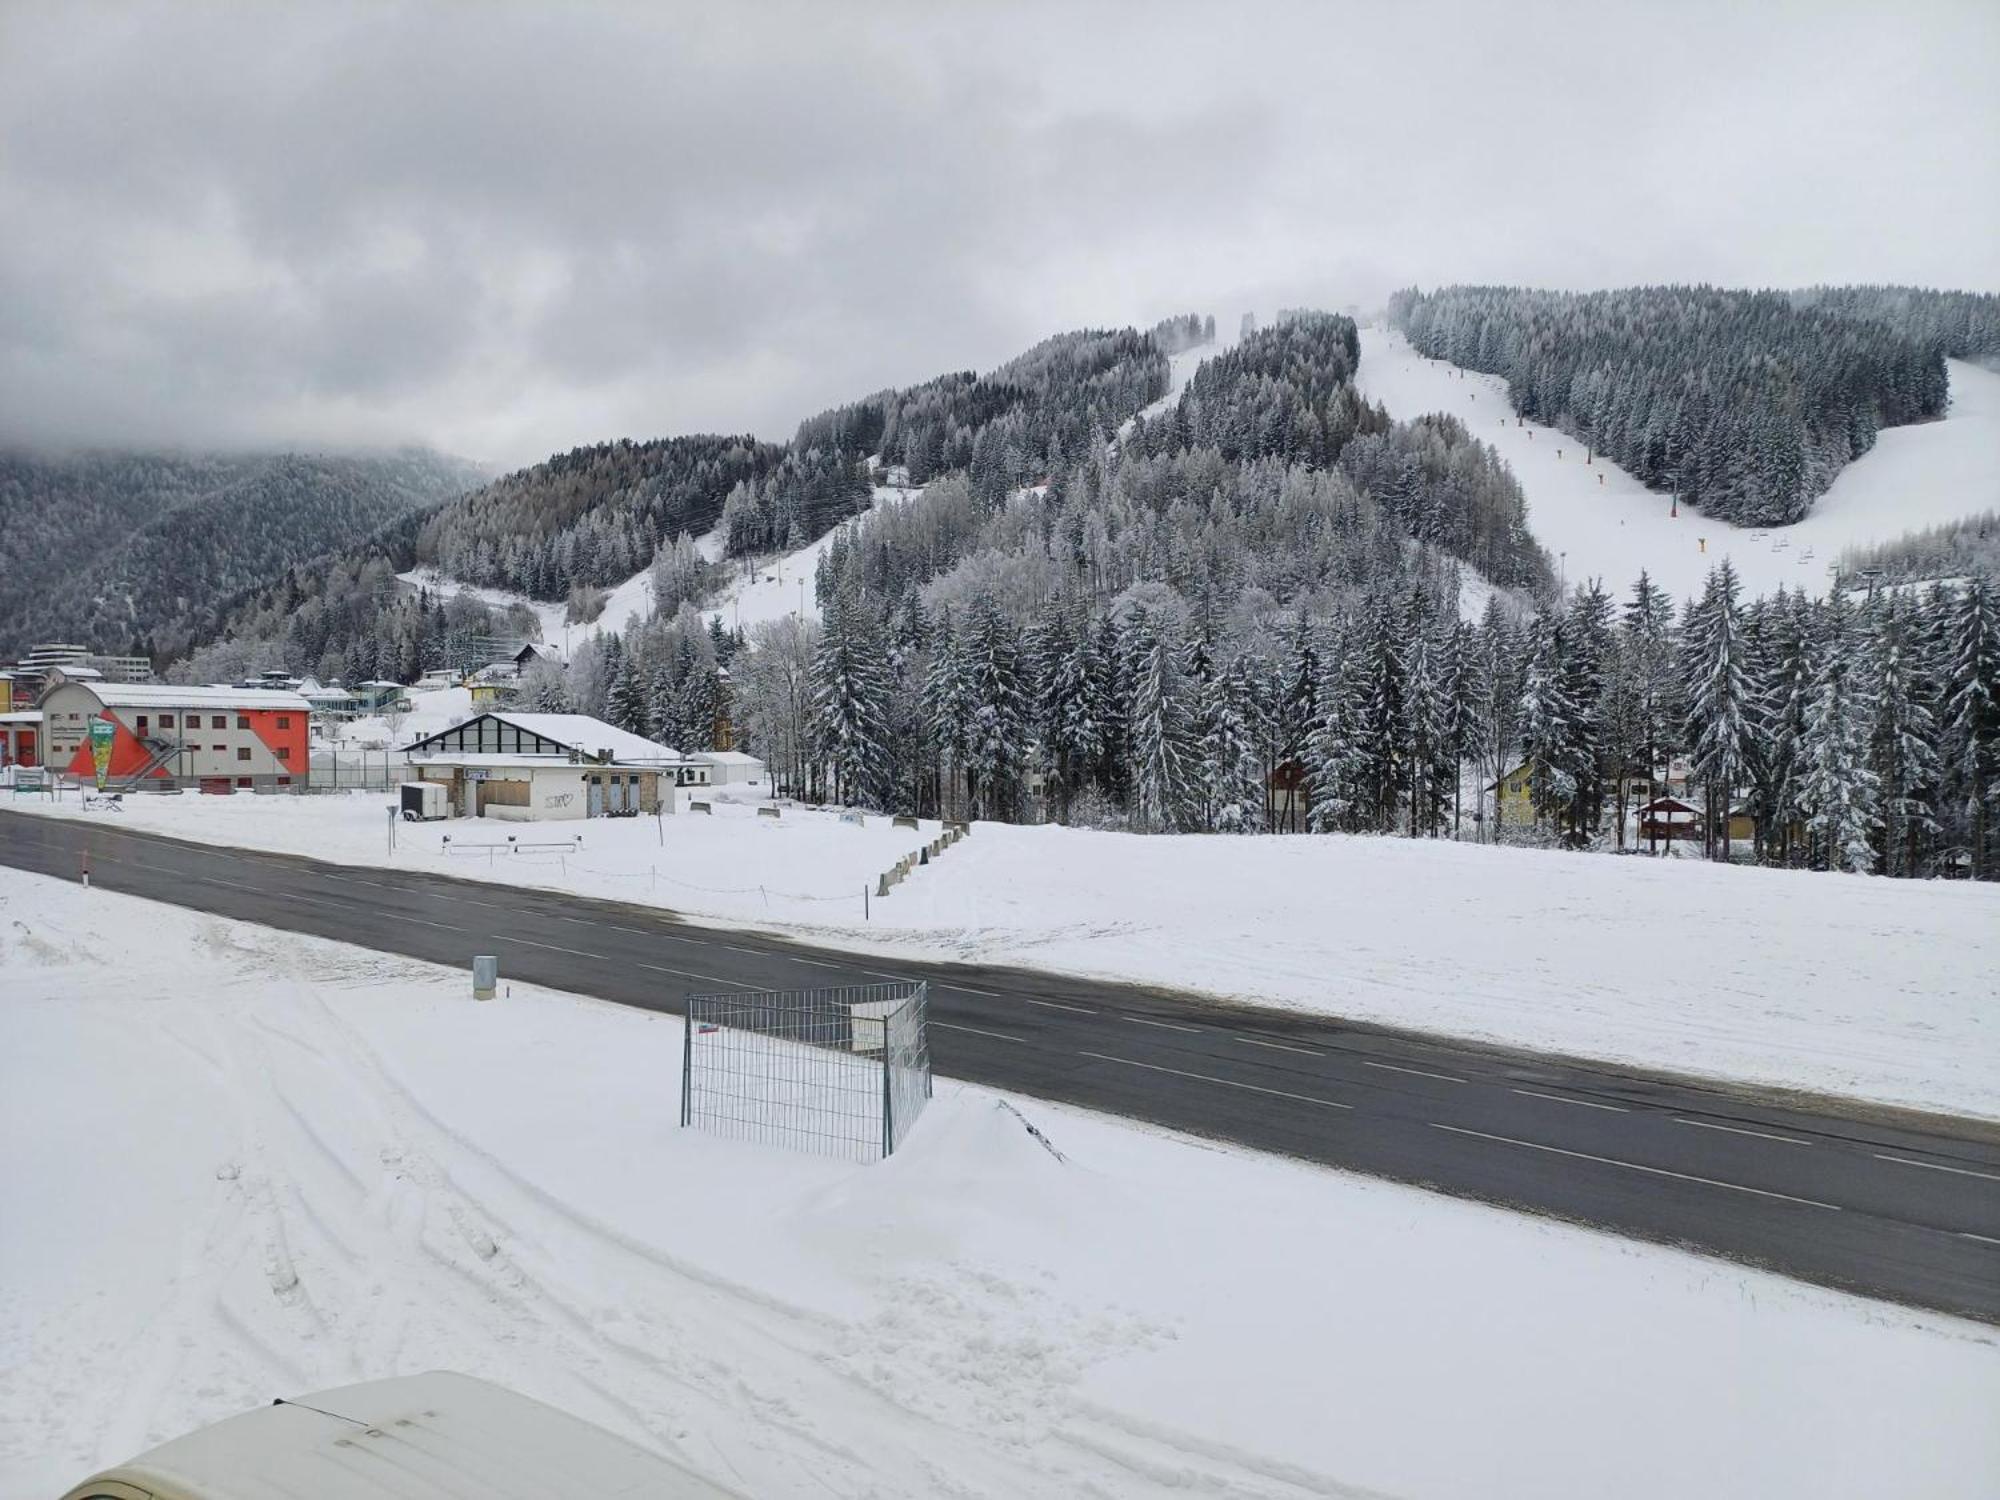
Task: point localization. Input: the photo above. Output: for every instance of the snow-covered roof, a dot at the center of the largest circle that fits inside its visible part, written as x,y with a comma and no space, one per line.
503,760
725,758
163,695
440,1436
587,736
22,716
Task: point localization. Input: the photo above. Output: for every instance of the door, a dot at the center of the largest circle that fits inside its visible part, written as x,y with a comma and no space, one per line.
596,806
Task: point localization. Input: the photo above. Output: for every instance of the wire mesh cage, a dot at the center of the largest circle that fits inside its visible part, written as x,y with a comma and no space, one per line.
843,1071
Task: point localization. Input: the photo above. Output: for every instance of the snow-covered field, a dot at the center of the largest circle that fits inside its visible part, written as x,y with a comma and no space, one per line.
1914,477
238,1163
1876,989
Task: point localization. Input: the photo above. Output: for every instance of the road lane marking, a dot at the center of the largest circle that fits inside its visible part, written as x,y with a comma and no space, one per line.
1762,1135
704,978
425,922
1251,1041
1058,1005
753,952
1228,1083
501,937
1561,1099
997,1035
892,978
1984,1239
1909,1161
1419,1072
1633,1166
816,963
1163,1025
966,989
636,931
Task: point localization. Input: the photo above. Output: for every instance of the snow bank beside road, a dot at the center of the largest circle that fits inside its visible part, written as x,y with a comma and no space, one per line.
1875,989
362,1173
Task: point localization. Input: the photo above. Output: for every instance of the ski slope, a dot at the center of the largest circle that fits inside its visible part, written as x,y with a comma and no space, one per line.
1612,527
364,1172
779,584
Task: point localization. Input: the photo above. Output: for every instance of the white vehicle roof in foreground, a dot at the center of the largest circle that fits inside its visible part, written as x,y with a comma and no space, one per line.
440,1436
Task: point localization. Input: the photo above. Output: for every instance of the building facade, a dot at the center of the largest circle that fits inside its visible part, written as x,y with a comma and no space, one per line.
211,739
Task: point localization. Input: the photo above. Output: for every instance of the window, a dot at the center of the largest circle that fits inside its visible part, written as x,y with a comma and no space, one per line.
284,721
218,721
243,721
242,752
284,752
243,781
166,721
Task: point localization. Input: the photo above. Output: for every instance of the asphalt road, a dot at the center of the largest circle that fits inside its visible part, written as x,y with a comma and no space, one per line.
1905,1208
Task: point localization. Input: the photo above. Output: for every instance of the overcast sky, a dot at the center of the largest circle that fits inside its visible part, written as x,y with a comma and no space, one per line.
508,230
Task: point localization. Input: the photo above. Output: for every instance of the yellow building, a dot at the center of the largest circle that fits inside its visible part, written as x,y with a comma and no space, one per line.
1516,797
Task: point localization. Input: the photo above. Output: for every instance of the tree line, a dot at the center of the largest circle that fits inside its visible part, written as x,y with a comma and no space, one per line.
1856,735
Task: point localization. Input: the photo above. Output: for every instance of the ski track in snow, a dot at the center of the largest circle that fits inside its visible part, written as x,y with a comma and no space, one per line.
330,1165
1915,476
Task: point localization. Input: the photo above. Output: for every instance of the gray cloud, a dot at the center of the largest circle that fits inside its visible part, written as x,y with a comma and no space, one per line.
507,229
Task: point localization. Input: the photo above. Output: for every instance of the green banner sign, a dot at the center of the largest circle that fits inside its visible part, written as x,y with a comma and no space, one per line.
103,731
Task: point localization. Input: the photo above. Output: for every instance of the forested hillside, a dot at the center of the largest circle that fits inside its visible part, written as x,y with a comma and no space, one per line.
589,517
596,516
1746,404
1032,417
1964,325
1143,637
140,552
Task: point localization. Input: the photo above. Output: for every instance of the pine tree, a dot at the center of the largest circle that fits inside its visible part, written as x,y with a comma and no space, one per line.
1972,713
1161,729
1549,737
946,710
996,722
1903,740
1334,760
850,704
1839,791
1231,766
627,703
1721,702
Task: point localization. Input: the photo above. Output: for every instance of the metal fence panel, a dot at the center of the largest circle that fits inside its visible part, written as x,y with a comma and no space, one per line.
843,1071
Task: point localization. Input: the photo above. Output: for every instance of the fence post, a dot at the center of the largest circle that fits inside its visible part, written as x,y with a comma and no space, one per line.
888,1097
687,1066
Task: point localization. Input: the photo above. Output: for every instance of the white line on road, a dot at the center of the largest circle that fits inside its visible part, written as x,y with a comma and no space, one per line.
966,989
1058,1005
892,978
501,937
1762,1135
730,984
1251,1041
1228,1083
1984,1239
1163,1025
1939,1167
1561,1099
997,1035
426,922
1419,1072
816,963
1633,1166
753,952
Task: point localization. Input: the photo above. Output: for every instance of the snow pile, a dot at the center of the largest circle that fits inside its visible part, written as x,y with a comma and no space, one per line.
365,1173
1915,476
1878,989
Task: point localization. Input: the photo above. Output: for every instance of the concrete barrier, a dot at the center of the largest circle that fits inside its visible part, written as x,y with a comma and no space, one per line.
767,812
902,820
700,807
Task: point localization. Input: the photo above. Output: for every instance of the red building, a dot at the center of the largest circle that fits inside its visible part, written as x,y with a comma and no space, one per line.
20,738
213,739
